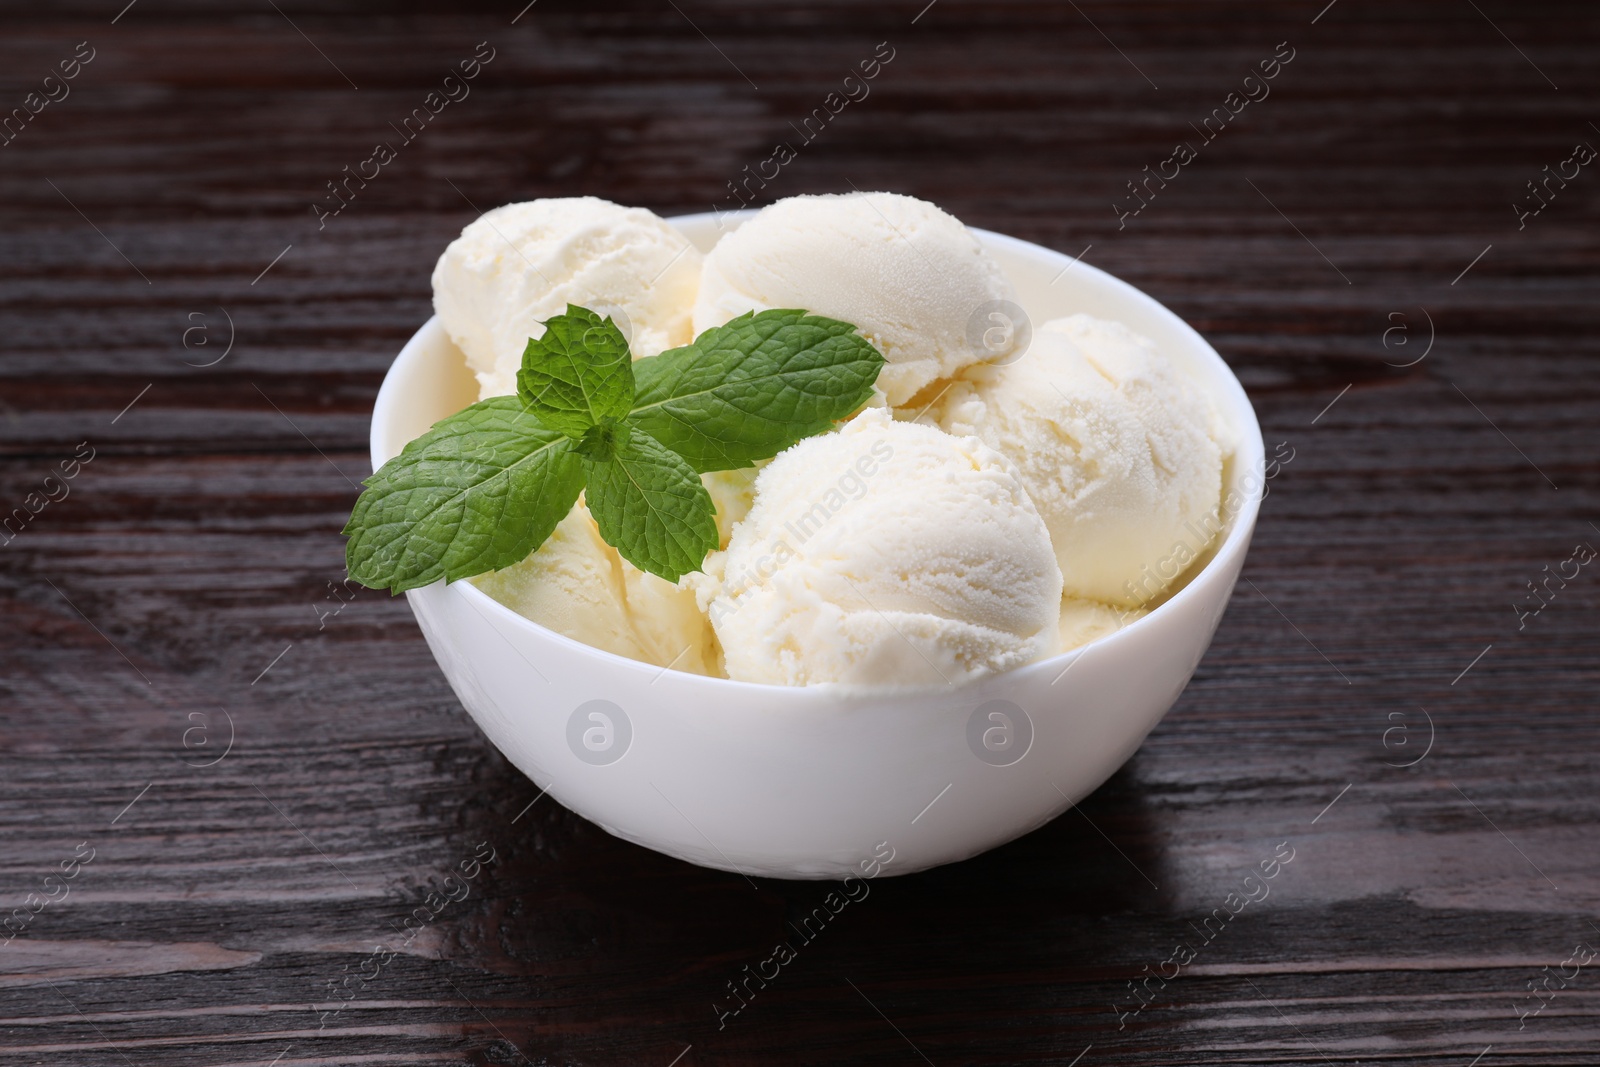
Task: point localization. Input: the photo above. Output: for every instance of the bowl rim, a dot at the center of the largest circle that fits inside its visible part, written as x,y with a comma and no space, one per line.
1236,542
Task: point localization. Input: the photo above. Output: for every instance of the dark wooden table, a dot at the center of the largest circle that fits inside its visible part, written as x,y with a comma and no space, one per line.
252,781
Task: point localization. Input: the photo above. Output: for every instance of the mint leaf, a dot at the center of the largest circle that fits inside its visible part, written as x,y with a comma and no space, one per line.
747,390
579,374
650,505
478,492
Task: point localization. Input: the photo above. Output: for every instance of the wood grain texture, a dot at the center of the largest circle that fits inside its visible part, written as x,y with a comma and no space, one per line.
179,586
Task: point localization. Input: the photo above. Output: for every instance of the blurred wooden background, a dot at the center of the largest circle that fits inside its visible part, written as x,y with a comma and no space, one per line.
175,593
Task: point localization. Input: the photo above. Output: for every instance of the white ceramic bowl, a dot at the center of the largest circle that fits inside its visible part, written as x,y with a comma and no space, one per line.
819,782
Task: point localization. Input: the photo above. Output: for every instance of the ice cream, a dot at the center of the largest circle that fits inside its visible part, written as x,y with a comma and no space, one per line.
908,275
520,264
732,493
577,585
886,552
997,501
1083,621
1118,450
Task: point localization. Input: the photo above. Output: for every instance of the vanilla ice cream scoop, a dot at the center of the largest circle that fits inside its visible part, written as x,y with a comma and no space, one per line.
518,265
1083,621
908,275
887,553
577,585
1116,446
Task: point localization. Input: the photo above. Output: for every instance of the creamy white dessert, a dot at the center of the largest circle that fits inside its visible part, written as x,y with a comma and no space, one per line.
1042,499
733,493
1116,447
579,586
909,276
519,264
1083,621
885,552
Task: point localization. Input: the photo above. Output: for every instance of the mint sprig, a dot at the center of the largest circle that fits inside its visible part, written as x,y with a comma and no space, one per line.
486,486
